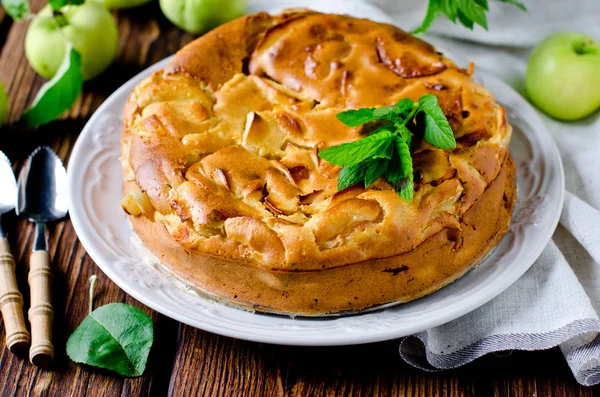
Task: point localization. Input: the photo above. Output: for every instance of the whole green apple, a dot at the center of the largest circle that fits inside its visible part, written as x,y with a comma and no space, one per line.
199,16
116,4
91,29
563,76
3,104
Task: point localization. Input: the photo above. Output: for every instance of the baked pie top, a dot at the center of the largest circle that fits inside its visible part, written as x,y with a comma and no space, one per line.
224,141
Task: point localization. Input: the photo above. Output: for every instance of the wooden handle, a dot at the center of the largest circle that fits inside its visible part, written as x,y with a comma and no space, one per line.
11,303
41,312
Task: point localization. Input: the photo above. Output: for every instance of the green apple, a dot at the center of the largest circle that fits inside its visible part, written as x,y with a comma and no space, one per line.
563,76
115,4
3,104
199,16
91,29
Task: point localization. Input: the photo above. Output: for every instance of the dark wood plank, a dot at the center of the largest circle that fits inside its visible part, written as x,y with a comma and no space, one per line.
186,361
212,365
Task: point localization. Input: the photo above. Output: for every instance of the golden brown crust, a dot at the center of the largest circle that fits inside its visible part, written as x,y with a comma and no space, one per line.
224,141
441,259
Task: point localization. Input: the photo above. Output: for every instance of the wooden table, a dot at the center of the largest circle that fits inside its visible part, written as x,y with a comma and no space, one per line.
187,361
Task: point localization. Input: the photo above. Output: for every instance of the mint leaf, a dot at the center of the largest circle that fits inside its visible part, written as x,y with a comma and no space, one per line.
351,153
394,111
116,336
58,94
404,133
58,4
431,15
406,187
449,9
394,170
483,4
17,9
352,174
473,13
467,23
403,105
354,118
404,155
437,129
468,12
386,152
382,112
375,169
516,3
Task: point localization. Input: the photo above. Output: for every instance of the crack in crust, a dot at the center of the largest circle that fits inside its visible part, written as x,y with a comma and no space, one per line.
224,142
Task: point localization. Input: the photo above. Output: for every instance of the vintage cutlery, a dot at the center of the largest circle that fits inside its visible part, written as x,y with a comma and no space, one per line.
11,300
42,197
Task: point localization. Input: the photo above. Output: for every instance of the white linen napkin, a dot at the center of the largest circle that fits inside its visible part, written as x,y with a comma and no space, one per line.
557,302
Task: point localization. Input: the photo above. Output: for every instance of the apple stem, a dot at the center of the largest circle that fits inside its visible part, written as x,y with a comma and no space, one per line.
586,47
60,19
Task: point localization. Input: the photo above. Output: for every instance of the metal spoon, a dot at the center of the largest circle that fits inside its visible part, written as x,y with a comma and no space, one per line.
11,300
42,198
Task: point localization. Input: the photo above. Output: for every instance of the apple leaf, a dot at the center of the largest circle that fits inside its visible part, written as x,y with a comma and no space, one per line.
58,4
116,336
58,94
17,9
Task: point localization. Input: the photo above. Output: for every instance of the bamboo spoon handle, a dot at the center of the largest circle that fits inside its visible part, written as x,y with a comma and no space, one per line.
41,312
11,303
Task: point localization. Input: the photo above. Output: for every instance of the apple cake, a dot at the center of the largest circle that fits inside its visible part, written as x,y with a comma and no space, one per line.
224,184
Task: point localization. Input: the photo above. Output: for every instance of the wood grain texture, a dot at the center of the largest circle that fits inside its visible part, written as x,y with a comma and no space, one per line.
185,361
11,303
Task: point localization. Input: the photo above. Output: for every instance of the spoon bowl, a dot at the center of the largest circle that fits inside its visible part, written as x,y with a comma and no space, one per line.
8,193
42,193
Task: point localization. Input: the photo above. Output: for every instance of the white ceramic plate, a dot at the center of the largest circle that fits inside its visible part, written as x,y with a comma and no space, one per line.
95,190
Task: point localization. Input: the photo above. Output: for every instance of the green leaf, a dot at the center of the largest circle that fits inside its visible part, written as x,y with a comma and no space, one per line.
116,336
516,3
450,9
483,4
406,188
395,111
465,21
352,174
375,169
403,105
58,94
433,11
354,118
382,112
437,129
404,133
17,9
403,151
472,12
58,4
394,170
351,153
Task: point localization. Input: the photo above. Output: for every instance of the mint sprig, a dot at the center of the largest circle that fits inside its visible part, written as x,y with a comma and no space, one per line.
386,152
468,12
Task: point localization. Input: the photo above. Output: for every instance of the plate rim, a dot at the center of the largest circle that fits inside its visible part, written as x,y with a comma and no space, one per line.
314,340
